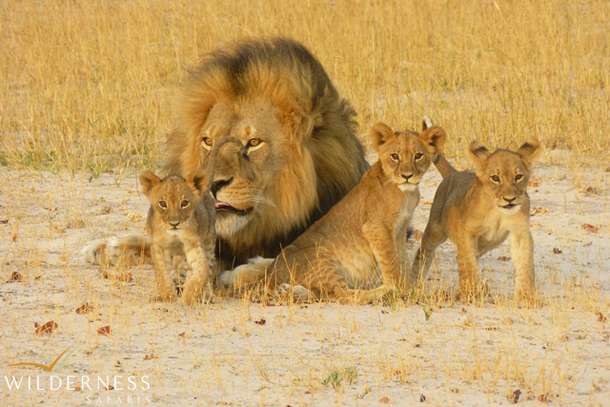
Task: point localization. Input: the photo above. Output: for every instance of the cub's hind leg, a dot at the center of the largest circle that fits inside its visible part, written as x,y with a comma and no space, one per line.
434,236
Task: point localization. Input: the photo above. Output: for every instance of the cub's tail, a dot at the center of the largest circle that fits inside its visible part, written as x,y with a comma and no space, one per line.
435,137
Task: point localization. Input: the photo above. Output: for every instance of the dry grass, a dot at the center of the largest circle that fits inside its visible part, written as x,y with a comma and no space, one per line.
90,85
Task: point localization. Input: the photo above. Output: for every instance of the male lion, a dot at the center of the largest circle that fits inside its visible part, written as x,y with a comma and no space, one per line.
363,238
264,123
478,211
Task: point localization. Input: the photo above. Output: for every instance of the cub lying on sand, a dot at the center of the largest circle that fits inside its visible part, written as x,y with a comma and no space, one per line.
363,237
477,211
180,222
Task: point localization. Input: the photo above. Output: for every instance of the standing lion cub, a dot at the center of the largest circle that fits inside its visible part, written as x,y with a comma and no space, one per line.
180,222
356,252
478,211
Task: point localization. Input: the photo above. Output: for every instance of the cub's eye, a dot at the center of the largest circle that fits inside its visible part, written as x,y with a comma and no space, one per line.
495,179
518,177
207,143
419,156
184,204
394,156
162,204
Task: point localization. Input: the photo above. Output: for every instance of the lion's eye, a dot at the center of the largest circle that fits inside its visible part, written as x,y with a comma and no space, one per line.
495,179
207,143
162,204
518,177
395,156
419,156
253,142
184,204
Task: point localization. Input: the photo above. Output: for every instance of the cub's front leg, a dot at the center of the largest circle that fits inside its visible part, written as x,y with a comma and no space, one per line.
384,249
198,276
522,253
161,264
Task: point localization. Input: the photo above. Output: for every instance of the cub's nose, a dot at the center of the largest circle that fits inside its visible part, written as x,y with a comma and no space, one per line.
407,176
218,185
174,223
510,199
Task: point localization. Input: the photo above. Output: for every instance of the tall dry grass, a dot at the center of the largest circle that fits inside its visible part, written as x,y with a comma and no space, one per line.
90,84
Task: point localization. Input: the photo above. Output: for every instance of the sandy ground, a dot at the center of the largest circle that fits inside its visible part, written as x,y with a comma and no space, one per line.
234,352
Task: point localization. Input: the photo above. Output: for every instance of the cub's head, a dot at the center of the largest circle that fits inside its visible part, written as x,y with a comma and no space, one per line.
172,198
406,155
504,173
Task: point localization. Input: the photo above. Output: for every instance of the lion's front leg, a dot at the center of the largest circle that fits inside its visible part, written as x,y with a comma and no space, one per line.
117,250
522,253
246,274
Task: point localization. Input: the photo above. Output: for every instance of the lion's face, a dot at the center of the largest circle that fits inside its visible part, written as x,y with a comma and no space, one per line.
405,156
247,153
171,198
504,174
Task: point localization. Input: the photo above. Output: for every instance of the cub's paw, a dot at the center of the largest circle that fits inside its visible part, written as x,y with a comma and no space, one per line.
527,299
166,297
297,292
196,291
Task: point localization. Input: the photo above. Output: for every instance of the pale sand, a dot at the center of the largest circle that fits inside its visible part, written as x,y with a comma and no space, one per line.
217,355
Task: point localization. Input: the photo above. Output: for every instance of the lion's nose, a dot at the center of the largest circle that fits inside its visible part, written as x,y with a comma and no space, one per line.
174,223
407,176
510,199
219,184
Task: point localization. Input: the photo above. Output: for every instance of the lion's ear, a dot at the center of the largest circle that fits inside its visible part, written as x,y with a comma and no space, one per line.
380,134
426,123
148,180
529,151
478,154
433,139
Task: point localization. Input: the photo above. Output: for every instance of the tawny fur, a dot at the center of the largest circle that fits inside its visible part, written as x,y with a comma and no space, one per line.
309,157
356,252
473,210
181,223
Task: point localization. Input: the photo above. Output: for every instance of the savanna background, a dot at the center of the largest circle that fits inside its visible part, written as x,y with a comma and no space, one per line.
87,92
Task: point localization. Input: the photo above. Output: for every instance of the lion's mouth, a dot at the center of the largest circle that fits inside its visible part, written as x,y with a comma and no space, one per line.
509,206
223,207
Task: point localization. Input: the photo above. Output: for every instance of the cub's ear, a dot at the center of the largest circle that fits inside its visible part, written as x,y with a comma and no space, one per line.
148,180
380,134
434,139
426,123
478,154
529,151
200,183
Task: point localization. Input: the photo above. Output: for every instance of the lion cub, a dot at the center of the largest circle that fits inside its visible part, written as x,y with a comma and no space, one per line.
478,211
362,239
181,222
